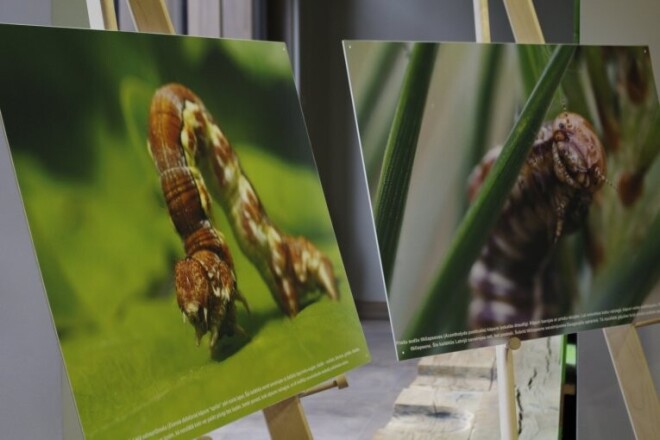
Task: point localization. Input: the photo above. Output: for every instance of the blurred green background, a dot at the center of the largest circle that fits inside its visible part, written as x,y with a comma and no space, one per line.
75,107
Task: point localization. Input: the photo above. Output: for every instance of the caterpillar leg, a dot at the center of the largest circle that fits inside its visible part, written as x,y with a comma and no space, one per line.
298,267
207,294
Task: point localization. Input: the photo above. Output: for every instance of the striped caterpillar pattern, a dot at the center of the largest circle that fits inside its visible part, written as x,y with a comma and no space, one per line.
551,198
181,133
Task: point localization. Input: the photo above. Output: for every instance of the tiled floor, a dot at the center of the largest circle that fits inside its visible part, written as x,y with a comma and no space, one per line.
354,413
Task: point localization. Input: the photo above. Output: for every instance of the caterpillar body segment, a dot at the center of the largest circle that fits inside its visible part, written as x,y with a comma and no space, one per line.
205,281
550,199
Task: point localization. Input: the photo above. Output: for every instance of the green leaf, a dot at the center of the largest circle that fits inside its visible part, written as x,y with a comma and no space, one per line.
574,90
532,59
376,109
491,60
400,153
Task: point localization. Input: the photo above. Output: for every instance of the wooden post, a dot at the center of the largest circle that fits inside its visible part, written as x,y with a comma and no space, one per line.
524,22
340,383
506,389
525,25
635,380
151,16
109,15
286,420
481,21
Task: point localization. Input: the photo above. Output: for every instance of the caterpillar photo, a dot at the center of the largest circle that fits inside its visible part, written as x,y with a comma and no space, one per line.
182,133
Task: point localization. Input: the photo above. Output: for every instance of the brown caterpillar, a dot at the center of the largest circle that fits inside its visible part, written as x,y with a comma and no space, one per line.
181,131
551,198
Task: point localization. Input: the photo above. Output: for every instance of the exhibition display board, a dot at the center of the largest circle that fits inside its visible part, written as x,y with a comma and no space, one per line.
165,179
558,236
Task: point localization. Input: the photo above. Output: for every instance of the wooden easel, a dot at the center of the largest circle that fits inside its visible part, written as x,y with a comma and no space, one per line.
286,420
635,380
630,364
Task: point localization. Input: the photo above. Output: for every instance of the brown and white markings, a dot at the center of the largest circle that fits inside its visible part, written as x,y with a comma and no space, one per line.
551,198
181,132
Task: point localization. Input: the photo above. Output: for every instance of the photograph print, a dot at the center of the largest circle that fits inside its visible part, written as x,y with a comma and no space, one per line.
179,223
513,187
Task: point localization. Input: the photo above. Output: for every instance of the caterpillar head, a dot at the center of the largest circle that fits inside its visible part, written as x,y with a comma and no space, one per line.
192,294
206,292
578,155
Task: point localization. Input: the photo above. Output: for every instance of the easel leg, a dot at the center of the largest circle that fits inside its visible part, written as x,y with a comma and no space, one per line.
286,420
109,15
635,380
151,16
507,389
